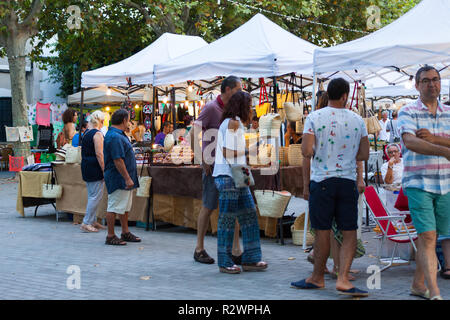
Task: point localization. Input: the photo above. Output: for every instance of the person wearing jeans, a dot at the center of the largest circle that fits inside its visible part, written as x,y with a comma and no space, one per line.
92,167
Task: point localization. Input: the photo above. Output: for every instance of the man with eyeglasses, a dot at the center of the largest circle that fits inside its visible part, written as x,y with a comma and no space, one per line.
425,131
392,171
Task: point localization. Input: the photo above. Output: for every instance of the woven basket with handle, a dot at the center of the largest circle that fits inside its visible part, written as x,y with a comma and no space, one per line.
272,203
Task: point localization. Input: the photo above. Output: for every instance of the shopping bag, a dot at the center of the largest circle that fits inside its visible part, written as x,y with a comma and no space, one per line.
73,154
16,163
12,134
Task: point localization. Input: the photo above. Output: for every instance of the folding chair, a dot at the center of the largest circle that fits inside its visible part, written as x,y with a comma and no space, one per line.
386,223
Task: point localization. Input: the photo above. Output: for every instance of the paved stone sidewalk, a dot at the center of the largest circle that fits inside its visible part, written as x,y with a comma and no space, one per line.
36,253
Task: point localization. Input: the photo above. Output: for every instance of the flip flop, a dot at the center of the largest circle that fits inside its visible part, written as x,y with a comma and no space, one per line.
302,284
354,292
444,275
423,295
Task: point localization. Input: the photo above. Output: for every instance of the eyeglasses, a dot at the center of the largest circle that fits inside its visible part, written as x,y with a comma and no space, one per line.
428,81
394,151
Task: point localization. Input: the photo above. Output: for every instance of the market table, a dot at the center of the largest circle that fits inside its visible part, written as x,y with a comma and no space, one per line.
177,194
29,191
74,195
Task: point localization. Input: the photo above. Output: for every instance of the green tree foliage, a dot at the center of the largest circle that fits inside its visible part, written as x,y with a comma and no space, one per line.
112,30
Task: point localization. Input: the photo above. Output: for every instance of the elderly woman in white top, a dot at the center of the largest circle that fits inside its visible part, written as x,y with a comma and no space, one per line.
392,171
235,203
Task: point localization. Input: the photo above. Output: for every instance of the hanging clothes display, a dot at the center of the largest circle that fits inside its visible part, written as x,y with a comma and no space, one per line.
35,135
45,134
12,134
57,112
26,134
31,113
43,114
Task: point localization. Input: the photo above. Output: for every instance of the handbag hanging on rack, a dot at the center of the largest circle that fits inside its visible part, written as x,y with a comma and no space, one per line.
264,105
52,190
144,181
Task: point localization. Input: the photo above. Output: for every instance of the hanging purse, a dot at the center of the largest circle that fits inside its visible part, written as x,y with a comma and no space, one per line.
144,181
73,154
52,190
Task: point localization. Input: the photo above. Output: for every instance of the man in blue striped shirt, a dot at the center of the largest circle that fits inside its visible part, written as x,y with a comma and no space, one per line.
425,130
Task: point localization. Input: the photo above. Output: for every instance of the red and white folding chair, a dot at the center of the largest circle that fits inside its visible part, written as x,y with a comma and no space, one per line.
388,225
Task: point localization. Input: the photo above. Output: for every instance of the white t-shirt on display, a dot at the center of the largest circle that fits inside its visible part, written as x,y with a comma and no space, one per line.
338,134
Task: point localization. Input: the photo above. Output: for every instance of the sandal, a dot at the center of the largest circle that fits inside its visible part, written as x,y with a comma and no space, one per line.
444,274
257,266
88,228
231,270
203,257
99,226
114,241
129,237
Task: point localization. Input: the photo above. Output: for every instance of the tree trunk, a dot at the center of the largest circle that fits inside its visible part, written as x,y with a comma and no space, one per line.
16,59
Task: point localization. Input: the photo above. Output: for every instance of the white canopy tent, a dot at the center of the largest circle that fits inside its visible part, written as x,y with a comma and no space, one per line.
139,67
394,53
400,91
105,95
102,95
258,48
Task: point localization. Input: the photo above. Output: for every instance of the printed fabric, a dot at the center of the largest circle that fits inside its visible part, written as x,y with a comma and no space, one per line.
338,133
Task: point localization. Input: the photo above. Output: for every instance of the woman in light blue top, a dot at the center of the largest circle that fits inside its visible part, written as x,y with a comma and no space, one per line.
235,203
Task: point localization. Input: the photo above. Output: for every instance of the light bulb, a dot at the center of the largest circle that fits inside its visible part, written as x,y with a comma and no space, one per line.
186,103
409,84
136,106
165,100
108,108
108,92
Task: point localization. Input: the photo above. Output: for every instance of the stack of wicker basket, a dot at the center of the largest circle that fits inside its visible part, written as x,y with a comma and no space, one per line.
295,155
283,155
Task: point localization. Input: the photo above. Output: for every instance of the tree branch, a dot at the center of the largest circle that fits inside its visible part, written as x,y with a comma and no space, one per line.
32,16
142,10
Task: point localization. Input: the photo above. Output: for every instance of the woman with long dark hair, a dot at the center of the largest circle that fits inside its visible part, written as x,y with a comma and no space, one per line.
235,203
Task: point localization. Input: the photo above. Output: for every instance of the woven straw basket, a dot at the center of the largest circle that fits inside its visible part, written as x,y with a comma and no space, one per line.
294,111
299,126
295,155
297,230
283,155
272,203
269,125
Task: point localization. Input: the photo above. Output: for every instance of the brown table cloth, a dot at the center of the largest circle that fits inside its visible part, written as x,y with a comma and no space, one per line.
29,190
177,194
74,195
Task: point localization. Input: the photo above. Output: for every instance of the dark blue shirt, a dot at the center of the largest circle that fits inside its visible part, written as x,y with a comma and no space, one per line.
90,168
117,146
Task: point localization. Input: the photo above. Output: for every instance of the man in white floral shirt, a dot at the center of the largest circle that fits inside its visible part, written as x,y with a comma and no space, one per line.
334,139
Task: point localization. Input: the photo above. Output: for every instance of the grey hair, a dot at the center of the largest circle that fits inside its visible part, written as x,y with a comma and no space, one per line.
393,145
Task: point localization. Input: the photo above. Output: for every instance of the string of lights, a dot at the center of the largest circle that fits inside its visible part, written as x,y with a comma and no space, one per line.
289,18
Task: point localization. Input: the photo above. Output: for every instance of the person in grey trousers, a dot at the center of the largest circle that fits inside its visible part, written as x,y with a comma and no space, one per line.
92,167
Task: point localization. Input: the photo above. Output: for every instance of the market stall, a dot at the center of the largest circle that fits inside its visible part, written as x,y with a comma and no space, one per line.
171,203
